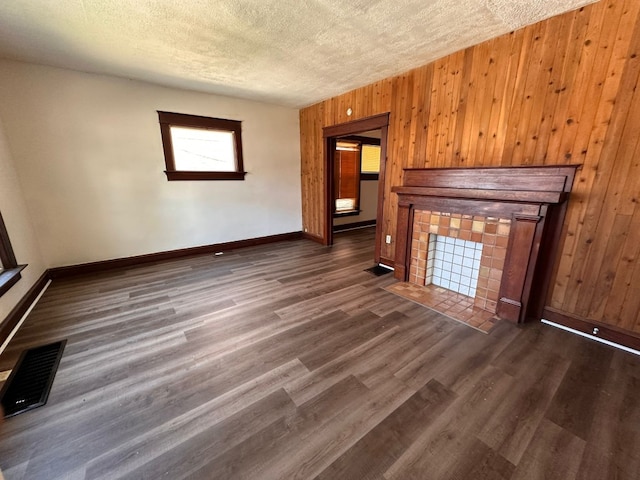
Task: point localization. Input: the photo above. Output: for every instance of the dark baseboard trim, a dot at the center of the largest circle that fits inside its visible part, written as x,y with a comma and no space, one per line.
351,226
313,238
94,267
9,323
606,332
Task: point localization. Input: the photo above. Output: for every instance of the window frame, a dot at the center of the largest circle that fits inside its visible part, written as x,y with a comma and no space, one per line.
360,175
364,141
337,170
368,175
169,119
9,268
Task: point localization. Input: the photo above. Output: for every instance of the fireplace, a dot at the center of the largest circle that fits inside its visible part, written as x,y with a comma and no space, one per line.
506,220
459,252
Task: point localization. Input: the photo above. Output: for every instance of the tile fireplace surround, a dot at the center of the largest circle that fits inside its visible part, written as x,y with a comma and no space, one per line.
492,233
515,212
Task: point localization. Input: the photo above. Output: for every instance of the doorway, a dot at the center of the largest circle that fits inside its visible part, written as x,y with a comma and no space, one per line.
356,170
348,135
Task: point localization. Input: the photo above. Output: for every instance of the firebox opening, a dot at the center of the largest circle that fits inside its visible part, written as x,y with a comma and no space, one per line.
467,243
454,264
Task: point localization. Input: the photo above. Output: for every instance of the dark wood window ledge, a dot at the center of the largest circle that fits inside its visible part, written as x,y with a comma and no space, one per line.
348,213
369,176
185,175
9,277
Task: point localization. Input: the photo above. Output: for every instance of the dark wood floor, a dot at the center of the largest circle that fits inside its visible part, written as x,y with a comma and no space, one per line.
289,361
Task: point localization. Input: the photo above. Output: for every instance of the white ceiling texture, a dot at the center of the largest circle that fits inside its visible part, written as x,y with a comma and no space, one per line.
287,52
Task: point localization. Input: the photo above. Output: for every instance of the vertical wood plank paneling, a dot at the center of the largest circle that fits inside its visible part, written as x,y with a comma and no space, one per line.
531,93
515,47
554,88
487,100
631,304
463,108
607,169
575,216
432,134
608,263
474,83
422,118
623,286
577,60
456,63
514,116
561,91
597,263
540,87
577,103
575,50
415,125
482,105
442,111
596,82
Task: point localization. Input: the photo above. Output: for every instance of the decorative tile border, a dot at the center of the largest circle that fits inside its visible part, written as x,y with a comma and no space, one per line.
492,232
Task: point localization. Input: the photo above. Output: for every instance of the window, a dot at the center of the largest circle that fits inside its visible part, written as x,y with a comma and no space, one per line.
356,159
9,268
346,180
201,148
370,159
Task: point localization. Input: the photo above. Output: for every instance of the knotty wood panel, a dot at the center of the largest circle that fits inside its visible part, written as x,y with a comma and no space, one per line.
562,91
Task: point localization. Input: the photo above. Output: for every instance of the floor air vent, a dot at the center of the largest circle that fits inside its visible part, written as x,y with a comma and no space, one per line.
30,381
378,270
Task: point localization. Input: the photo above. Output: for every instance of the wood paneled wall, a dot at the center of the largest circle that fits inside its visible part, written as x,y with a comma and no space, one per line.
558,92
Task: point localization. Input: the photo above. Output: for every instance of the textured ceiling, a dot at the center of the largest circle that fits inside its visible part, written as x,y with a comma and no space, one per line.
288,52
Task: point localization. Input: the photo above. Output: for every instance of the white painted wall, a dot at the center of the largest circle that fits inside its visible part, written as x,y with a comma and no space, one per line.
18,223
368,204
88,152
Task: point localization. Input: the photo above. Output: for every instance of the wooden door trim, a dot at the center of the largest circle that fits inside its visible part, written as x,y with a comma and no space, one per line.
329,134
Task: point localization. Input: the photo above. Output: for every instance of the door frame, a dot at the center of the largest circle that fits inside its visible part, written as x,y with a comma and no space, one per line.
329,135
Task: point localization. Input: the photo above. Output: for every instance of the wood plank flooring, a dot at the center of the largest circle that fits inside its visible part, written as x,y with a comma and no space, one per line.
288,361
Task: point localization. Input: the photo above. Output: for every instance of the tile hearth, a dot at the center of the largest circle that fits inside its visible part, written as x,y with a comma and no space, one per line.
447,302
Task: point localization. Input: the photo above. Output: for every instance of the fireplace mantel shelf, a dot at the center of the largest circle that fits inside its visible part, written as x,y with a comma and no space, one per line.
481,194
534,198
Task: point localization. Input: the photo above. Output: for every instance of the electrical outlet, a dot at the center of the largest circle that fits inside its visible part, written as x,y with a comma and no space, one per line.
388,239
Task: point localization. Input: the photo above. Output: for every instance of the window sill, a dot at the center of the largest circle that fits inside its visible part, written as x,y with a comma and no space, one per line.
183,175
349,213
9,277
369,176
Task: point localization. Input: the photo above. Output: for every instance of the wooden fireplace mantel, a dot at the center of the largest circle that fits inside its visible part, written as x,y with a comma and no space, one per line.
533,197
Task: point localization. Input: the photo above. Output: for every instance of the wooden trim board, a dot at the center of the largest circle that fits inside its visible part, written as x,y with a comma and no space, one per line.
349,226
593,328
10,322
93,267
329,135
314,238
